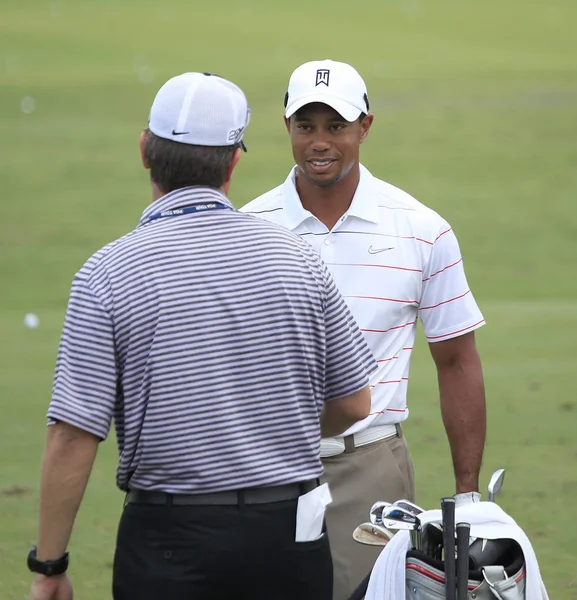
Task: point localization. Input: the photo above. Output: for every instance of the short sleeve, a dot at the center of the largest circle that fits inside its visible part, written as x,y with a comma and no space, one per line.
447,308
85,379
349,361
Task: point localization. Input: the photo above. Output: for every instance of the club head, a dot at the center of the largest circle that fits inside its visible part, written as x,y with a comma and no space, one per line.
372,535
399,519
397,513
495,484
394,525
410,506
376,512
432,540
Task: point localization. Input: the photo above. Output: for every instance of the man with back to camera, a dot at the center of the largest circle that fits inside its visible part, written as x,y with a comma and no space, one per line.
394,260
220,346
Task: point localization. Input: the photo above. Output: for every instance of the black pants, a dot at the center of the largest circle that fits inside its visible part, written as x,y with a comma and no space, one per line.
218,552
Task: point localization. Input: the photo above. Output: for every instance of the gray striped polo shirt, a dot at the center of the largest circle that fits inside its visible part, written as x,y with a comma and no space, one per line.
212,339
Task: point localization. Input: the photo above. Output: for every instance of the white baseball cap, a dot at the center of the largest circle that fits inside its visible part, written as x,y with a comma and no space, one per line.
200,108
334,83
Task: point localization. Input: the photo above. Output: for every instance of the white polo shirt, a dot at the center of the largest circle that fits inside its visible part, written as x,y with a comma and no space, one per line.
394,261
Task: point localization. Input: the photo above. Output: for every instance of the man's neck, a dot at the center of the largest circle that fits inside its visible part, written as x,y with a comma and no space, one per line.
157,193
328,204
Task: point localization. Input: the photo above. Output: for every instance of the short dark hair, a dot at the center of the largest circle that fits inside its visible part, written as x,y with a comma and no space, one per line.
174,165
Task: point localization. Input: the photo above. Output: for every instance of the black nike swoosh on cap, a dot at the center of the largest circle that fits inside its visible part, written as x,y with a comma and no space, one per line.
174,132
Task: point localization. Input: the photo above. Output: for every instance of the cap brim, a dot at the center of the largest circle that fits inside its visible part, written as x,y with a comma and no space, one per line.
347,111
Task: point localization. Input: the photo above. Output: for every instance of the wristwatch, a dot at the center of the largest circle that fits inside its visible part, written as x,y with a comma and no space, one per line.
47,567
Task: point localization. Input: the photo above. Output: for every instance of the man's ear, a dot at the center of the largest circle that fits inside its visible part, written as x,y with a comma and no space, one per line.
287,123
235,158
141,144
366,126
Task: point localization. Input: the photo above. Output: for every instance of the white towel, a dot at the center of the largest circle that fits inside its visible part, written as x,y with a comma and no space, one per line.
487,519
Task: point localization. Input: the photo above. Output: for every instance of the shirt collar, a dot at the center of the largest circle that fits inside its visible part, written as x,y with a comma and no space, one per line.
185,197
294,212
363,205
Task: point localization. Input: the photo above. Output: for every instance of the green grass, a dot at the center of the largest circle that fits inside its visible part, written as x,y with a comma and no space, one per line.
475,114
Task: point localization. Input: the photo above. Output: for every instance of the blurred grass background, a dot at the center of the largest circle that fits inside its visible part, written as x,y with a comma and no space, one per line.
475,107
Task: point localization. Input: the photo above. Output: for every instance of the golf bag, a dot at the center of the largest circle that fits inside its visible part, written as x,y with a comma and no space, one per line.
472,552
505,580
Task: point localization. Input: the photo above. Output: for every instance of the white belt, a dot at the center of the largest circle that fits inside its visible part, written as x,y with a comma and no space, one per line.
336,445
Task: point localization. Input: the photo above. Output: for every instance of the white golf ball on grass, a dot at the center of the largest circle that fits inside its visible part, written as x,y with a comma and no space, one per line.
31,321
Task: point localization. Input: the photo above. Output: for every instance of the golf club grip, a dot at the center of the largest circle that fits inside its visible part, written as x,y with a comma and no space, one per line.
448,511
463,532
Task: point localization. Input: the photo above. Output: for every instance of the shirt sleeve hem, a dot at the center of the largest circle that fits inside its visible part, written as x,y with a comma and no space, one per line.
456,332
55,416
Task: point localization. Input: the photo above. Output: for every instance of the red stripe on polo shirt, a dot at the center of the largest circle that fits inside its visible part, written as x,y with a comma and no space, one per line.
382,412
394,380
379,266
387,299
412,237
444,269
392,357
390,329
446,301
443,233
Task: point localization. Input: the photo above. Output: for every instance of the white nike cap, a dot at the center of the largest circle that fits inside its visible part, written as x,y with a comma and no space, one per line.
200,108
334,83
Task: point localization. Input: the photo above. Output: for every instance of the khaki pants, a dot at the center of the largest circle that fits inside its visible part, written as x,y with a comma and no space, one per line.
379,471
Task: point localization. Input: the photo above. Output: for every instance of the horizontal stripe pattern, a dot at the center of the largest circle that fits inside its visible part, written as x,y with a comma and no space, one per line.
396,262
211,340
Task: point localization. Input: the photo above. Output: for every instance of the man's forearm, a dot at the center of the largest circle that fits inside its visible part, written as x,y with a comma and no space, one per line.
464,415
66,467
340,414
333,425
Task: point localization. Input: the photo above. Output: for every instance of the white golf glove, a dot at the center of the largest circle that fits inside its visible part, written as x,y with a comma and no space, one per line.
465,498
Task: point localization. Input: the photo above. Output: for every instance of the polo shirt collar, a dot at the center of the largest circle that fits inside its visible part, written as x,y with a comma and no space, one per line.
186,197
363,205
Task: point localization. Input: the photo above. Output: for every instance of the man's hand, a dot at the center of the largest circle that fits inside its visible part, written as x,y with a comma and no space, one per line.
57,587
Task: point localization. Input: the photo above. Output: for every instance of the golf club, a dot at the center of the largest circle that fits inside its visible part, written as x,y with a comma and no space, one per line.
410,506
463,531
376,512
495,484
372,535
397,518
400,514
395,525
432,540
448,511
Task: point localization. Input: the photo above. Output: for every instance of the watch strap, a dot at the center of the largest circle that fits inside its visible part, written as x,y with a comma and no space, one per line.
48,568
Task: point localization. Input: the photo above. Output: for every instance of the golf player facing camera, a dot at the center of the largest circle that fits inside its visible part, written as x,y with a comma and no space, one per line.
395,261
220,346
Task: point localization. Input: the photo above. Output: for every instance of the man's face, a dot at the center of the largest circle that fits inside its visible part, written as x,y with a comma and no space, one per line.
325,145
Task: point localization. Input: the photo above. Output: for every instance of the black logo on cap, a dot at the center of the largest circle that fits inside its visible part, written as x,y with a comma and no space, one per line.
235,135
323,77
